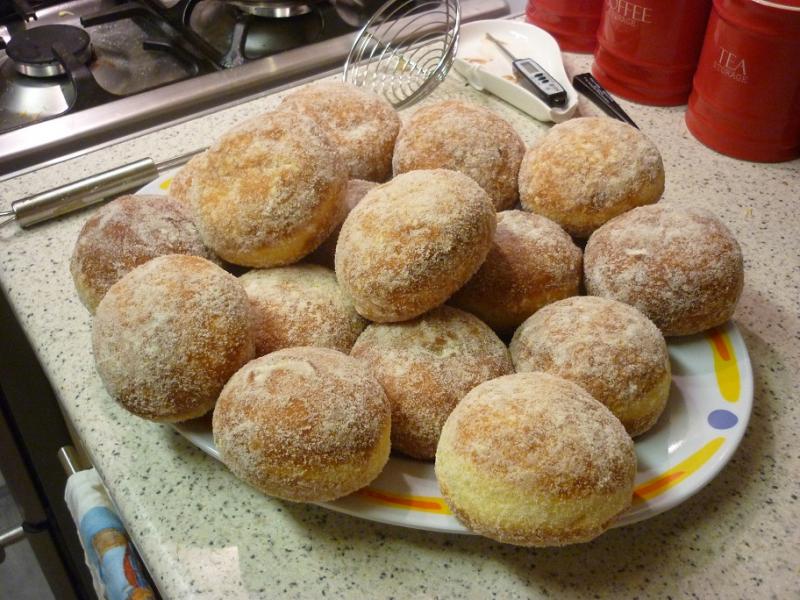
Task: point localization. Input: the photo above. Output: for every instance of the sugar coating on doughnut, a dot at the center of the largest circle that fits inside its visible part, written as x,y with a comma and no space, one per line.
300,305
362,125
181,183
412,242
125,233
532,459
587,170
680,266
426,366
268,192
531,263
326,253
467,138
168,335
610,349
303,424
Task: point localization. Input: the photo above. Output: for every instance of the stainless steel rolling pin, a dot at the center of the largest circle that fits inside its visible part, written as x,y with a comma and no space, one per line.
90,190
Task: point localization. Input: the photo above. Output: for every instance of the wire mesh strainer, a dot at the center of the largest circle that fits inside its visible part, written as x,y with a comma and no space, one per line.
406,49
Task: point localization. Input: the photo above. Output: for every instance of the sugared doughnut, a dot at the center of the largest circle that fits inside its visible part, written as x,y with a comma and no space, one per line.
303,424
300,305
326,253
181,184
586,171
125,233
268,192
363,126
608,348
169,334
532,459
426,366
466,138
680,266
532,262
412,242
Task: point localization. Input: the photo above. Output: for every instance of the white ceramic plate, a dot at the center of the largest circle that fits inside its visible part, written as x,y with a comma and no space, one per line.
486,67
706,416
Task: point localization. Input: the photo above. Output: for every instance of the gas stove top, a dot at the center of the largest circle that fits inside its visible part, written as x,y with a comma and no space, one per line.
80,73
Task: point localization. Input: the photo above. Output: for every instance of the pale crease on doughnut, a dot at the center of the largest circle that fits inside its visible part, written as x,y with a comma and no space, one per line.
303,424
532,262
300,305
168,335
467,138
588,170
608,348
126,233
268,192
412,242
362,125
680,266
426,366
532,459
325,255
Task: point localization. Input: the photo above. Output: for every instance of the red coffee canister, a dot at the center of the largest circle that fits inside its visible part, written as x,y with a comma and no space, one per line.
746,97
648,49
572,22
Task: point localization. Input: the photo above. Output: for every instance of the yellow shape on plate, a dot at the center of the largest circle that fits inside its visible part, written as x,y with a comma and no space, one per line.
672,477
725,366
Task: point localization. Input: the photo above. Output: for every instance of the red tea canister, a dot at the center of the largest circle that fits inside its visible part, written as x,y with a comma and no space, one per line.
572,22
746,97
648,49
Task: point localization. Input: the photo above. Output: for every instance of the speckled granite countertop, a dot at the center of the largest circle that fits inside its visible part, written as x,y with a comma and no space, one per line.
203,534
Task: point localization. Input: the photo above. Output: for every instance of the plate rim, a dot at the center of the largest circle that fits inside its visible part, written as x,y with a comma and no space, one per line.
711,468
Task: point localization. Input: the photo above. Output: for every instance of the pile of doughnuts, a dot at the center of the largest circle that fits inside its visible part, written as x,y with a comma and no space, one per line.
314,374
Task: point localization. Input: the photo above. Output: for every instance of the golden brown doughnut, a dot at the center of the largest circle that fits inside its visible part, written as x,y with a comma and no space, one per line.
300,305
181,184
169,334
363,126
125,233
466,138
303,424
532,262
426,366
412,242
680,266
268,192
608,348
532,459
586,171
326,253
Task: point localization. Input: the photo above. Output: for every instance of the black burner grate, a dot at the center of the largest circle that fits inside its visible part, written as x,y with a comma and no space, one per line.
21,9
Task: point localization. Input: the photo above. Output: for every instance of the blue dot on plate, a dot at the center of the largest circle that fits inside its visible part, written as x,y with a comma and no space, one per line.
722,419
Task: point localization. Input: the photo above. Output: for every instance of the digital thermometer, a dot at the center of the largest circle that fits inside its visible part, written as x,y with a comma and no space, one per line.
537,80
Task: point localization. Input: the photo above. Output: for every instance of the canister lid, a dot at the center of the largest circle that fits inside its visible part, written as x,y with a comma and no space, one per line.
793,5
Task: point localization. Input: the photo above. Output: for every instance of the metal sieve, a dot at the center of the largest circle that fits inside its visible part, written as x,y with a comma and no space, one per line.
405,50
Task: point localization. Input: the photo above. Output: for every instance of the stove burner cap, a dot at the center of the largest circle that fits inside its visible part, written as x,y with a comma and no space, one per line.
272,9
32,50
